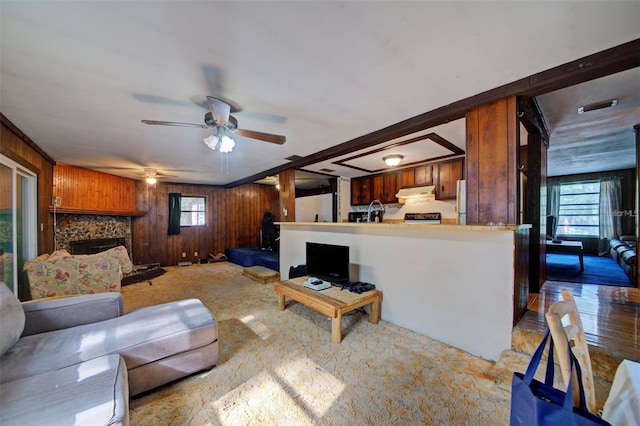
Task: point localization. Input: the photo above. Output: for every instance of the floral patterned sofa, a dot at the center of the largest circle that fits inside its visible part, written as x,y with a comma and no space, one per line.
63,274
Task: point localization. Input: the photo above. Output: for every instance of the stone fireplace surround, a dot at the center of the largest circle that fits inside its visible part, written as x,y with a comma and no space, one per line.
81,227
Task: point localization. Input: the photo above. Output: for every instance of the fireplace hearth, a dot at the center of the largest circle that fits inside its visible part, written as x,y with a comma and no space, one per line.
95,246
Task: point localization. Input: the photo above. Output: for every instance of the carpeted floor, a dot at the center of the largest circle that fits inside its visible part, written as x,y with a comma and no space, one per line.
597,270
280,367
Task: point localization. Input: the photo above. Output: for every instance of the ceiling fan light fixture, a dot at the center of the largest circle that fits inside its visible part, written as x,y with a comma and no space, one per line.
392,160
151,180
211,141
226,144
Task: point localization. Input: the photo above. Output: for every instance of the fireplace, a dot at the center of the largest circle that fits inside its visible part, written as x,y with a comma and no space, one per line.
76,231
95,246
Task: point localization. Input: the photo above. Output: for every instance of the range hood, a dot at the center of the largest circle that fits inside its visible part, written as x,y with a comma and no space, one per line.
415,193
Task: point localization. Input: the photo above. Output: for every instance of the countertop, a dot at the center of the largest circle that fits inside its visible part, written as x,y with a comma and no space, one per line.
400,225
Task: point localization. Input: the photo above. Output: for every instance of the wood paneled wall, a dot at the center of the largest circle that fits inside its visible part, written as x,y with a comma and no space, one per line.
492,159
93,191
233,217
19,148
287,180
536,208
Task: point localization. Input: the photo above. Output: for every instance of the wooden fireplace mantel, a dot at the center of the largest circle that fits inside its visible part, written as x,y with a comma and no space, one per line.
74,210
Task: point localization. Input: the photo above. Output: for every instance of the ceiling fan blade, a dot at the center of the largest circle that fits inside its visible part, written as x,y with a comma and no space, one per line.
267,137
219,110
215,76
173,123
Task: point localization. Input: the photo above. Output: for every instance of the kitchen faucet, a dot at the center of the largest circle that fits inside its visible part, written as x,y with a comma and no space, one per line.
377,208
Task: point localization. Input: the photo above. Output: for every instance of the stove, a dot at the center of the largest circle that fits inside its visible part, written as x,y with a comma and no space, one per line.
422,218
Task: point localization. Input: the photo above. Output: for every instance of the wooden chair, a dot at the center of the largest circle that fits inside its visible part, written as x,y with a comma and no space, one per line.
573,332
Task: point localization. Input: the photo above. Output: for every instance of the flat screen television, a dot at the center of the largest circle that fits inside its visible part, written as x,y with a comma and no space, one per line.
328,262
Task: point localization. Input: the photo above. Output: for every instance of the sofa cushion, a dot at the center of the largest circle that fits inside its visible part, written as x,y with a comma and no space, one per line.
142,336
614,244
629,257
95,392
58,254
12,316
57,313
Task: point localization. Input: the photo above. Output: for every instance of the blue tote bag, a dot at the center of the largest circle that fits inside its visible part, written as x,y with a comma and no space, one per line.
534,403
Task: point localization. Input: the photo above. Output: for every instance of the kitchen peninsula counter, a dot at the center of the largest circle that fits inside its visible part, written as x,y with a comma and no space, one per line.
453,283
400,225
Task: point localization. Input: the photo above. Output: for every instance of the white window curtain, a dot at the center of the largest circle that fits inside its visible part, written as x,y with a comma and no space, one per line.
610,208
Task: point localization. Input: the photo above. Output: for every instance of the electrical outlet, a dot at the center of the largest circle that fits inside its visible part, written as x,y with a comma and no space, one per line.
56,201
184,254
195,254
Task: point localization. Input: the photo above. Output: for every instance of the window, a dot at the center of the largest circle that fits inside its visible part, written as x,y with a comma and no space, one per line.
18,235
192,211
579,214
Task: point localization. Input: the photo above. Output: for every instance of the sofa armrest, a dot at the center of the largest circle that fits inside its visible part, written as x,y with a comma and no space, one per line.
58,313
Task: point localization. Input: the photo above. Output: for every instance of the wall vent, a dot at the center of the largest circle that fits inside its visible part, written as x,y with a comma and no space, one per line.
598,105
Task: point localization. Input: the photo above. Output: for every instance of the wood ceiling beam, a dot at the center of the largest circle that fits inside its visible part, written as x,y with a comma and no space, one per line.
616,59
532,119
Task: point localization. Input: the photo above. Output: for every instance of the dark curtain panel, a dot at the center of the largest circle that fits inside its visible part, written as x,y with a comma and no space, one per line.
174,213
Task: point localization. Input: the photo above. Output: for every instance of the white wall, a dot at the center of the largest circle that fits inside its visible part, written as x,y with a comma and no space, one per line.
455,286
308,207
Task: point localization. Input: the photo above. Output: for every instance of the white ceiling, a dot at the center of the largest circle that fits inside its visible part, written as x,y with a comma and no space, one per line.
77,77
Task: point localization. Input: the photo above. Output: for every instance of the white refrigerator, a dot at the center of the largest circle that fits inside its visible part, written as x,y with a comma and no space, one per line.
461,201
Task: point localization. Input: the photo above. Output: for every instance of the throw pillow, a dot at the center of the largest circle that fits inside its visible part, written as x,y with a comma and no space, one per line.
122,256
12,316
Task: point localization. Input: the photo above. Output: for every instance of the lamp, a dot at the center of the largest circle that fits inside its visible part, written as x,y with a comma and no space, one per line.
392,160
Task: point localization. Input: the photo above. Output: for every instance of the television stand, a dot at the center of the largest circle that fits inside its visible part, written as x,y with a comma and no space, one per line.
331,302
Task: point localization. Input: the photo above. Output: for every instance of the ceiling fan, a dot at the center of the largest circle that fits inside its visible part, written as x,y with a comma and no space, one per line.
220,119
151,175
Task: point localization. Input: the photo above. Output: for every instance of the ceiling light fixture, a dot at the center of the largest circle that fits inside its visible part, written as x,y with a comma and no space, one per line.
225,146
150,176
392,160
211,141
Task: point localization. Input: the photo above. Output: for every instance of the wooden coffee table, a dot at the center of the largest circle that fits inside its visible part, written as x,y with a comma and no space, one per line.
331,302
567,247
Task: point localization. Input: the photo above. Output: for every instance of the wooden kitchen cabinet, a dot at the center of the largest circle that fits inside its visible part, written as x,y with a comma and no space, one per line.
407,178
448,174
361,190
383,187
390,187
377,185
423,175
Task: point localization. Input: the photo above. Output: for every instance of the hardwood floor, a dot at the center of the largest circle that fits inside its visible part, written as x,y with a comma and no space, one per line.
609,315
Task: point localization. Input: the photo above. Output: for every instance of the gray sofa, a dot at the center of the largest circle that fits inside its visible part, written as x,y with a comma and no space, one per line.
623,251
78,360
